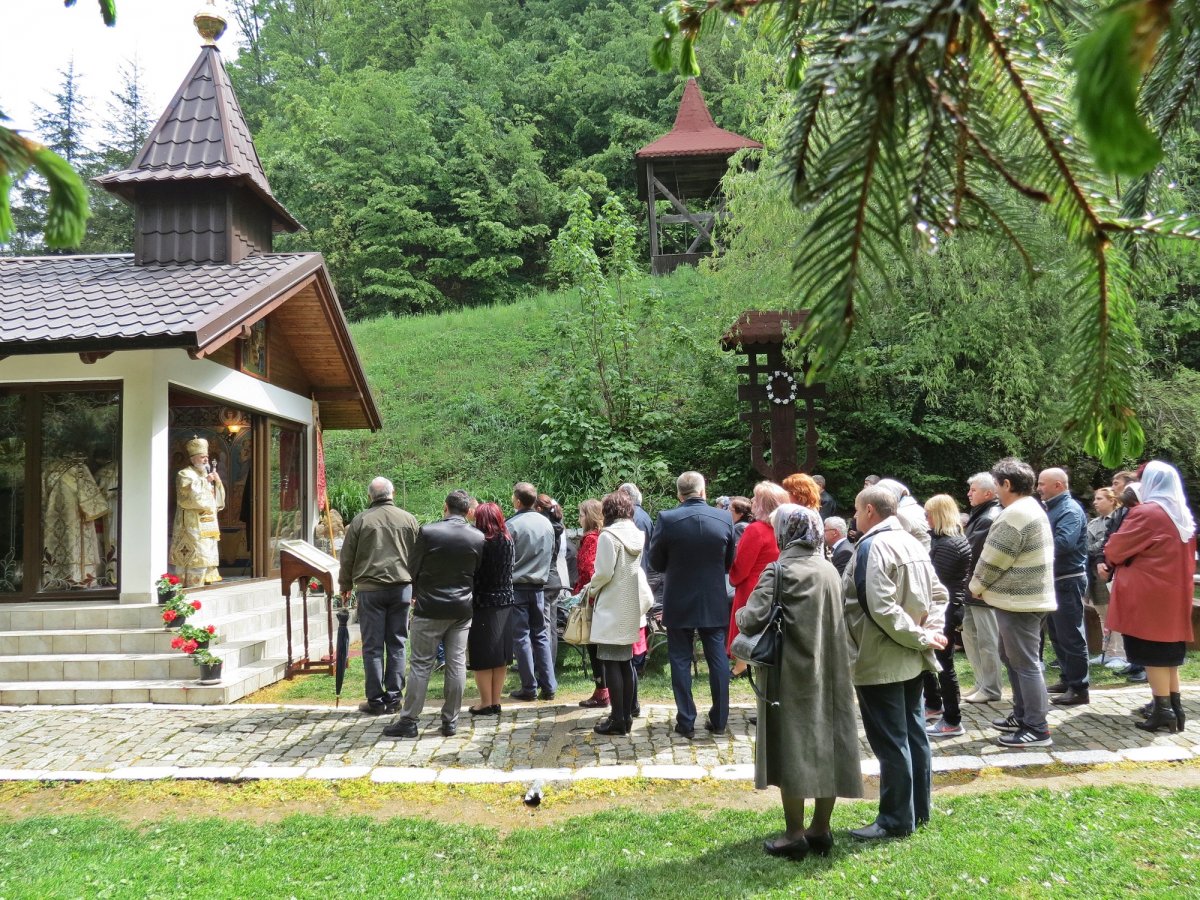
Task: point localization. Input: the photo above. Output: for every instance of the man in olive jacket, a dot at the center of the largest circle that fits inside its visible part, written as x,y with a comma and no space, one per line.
895,607
375,561
447,557
693,547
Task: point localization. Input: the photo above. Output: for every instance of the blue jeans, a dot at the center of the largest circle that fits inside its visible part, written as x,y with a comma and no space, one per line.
893,717
1067,631
383,621
531,640
679,650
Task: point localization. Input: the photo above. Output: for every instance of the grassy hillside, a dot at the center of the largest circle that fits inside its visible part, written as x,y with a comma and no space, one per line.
455,392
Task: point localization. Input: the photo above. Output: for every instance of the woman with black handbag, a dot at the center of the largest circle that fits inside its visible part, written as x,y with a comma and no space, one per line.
808,737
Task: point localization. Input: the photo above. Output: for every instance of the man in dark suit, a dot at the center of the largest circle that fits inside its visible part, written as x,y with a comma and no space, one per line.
693,547
446,558
840,548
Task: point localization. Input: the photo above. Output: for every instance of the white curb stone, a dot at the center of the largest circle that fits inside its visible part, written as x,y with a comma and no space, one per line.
1156,754
143,773
739,772
540,774
957,763
209,773
472,776
72,775
402,775
1086,757
606,773
273,773
675,773
22,775
337,773
1016,760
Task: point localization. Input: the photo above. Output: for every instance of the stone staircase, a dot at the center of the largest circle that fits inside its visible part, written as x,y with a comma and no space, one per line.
59,653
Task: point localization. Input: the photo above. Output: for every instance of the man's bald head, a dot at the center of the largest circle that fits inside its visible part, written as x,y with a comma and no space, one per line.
1052,482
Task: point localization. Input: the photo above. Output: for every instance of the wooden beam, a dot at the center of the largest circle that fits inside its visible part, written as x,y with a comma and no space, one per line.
337,395
682,207
651,181
94,356
692,218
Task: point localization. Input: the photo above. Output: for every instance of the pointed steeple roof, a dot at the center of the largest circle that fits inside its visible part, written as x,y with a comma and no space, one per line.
695,133
202,135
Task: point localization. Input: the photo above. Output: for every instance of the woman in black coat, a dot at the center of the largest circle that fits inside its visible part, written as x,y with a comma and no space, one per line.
951,556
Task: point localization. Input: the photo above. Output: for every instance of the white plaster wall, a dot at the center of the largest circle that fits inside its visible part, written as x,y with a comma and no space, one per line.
146,377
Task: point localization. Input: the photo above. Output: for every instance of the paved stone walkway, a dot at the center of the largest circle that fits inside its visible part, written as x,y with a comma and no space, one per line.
529,741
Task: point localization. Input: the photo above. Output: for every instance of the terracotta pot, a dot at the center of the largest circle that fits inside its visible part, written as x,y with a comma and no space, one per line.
211,673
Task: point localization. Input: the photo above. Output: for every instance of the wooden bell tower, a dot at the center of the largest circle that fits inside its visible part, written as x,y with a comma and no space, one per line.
774,390
685,167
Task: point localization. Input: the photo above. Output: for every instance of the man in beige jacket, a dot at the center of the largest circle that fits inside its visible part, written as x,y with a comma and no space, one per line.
894,610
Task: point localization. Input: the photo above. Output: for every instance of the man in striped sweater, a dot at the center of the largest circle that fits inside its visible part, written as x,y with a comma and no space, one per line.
1015,576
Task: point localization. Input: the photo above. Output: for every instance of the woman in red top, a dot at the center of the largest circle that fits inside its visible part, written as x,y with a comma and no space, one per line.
591,520
1153,555
755,551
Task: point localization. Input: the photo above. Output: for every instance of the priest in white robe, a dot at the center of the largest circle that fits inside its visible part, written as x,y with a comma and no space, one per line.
199,495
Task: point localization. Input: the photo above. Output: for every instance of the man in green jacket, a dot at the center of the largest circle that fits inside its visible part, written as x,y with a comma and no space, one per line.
894,610
375,562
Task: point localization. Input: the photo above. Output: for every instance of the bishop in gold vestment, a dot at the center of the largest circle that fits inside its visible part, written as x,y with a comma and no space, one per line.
196,533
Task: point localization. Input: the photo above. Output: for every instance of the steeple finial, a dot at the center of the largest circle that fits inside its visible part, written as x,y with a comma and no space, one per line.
210,23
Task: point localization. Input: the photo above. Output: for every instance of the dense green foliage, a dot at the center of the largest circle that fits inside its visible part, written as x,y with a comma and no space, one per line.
1086,842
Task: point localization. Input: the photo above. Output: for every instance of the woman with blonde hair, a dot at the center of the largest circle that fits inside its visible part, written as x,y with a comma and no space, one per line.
803,490
756,550
950,553
1105,502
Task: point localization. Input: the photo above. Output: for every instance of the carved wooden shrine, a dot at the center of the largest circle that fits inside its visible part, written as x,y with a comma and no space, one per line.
686,166
774,389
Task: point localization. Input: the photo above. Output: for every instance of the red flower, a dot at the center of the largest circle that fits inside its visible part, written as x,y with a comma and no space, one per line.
169,615
190,647
196,604
173,579
176,643
212,629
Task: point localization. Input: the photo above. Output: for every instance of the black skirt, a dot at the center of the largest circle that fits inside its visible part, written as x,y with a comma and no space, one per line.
490,641
1156,654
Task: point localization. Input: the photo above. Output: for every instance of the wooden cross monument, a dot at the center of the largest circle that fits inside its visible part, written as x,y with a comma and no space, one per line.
773,388
686,166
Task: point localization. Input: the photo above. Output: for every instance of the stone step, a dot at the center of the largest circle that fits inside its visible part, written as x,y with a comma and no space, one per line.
168,666
236,683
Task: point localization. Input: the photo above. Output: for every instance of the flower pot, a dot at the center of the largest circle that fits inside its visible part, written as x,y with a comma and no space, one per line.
164,597
210,673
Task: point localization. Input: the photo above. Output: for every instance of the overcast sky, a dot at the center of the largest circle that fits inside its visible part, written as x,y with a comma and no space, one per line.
42,36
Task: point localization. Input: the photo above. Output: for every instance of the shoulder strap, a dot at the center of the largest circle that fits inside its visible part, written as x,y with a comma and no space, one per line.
860,577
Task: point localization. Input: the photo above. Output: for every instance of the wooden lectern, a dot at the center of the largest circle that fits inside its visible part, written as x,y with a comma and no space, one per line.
301,560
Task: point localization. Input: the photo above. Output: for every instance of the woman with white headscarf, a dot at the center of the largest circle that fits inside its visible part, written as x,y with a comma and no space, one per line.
1153,557
808,744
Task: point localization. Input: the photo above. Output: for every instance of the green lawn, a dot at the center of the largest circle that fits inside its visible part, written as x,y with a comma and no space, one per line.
1087,843
573,683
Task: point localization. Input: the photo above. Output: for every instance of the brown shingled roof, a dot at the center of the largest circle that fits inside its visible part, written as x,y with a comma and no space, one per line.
759,327
695,133
202,135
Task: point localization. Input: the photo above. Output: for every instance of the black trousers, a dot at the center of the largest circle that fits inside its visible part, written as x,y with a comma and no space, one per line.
894,719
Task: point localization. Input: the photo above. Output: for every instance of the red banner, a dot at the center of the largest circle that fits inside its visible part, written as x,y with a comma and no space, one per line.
322,485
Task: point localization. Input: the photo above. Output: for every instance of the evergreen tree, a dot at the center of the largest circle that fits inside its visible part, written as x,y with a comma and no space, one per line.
125,129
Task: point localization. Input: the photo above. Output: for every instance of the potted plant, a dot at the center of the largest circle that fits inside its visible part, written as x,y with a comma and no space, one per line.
177,609
168,587
195,642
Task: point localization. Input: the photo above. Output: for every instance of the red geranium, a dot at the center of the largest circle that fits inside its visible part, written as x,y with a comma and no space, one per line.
196,605
212,629
176,643
169,615
190,646
173,579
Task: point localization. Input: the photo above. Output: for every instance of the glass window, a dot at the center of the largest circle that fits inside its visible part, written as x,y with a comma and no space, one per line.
80,487
12,492
287,488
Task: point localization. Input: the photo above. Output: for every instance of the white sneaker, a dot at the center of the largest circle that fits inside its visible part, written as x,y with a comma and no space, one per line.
978,697
941,728
1097,660
1117,664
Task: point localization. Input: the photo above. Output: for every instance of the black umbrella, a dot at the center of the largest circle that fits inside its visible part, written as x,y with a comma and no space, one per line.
343,654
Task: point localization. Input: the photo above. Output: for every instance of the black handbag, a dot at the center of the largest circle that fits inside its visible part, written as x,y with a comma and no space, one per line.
764,649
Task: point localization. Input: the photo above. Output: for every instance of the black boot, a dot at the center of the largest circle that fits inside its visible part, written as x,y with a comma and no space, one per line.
1163,716
1177,705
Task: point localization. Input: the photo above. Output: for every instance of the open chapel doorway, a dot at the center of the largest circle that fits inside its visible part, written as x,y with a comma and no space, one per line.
261,462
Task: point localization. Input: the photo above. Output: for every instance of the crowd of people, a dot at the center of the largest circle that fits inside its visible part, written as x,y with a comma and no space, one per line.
871,611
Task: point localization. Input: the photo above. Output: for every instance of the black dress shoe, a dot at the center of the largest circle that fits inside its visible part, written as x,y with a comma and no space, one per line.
545,695
524,695
820,844
378,709
1073,697
874,832
448,730
612,725
753,719
484,710
637,711
402,729
688,733
786,849
1059,687
709,726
